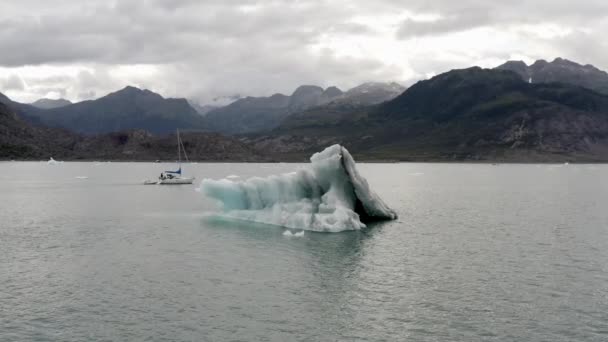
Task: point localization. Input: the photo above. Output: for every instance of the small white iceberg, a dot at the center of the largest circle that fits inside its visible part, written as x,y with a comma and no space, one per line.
290,234
53,162
328,196
81,177
233,177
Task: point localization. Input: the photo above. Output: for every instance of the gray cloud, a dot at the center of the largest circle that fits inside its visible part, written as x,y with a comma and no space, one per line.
13,82
449,24
211,48
462,15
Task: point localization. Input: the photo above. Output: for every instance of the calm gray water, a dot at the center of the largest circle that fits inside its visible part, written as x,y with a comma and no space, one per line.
480,253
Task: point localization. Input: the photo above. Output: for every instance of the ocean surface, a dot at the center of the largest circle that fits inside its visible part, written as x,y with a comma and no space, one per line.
479,253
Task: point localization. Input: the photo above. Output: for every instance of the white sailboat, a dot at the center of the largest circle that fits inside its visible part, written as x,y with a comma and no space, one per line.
174,177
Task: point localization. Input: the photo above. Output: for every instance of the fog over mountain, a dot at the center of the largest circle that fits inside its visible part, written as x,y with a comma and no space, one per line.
50,103
203,50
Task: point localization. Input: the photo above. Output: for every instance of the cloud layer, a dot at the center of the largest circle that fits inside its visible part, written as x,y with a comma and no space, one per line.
211,48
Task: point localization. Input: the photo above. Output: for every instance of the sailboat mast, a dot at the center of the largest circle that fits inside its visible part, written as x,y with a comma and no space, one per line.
179,150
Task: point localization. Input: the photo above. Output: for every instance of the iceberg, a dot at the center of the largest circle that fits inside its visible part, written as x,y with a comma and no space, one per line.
53,162
287,233
329,195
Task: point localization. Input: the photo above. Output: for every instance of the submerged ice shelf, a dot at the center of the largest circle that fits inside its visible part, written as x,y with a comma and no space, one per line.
328,195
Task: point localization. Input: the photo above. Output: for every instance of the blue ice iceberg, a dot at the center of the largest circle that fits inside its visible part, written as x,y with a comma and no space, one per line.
328,195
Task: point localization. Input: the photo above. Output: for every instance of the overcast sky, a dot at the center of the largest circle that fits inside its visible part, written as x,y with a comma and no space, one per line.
203,49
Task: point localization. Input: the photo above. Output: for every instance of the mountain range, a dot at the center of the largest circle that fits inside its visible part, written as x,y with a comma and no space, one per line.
548,111
562,71
133,108
260,114
21,140
469,114
128,108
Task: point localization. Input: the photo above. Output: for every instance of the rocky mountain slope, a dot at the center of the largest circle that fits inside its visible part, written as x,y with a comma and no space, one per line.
260,114
470,114
250,114
560,70
129,108
369,93
21,140
256,114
